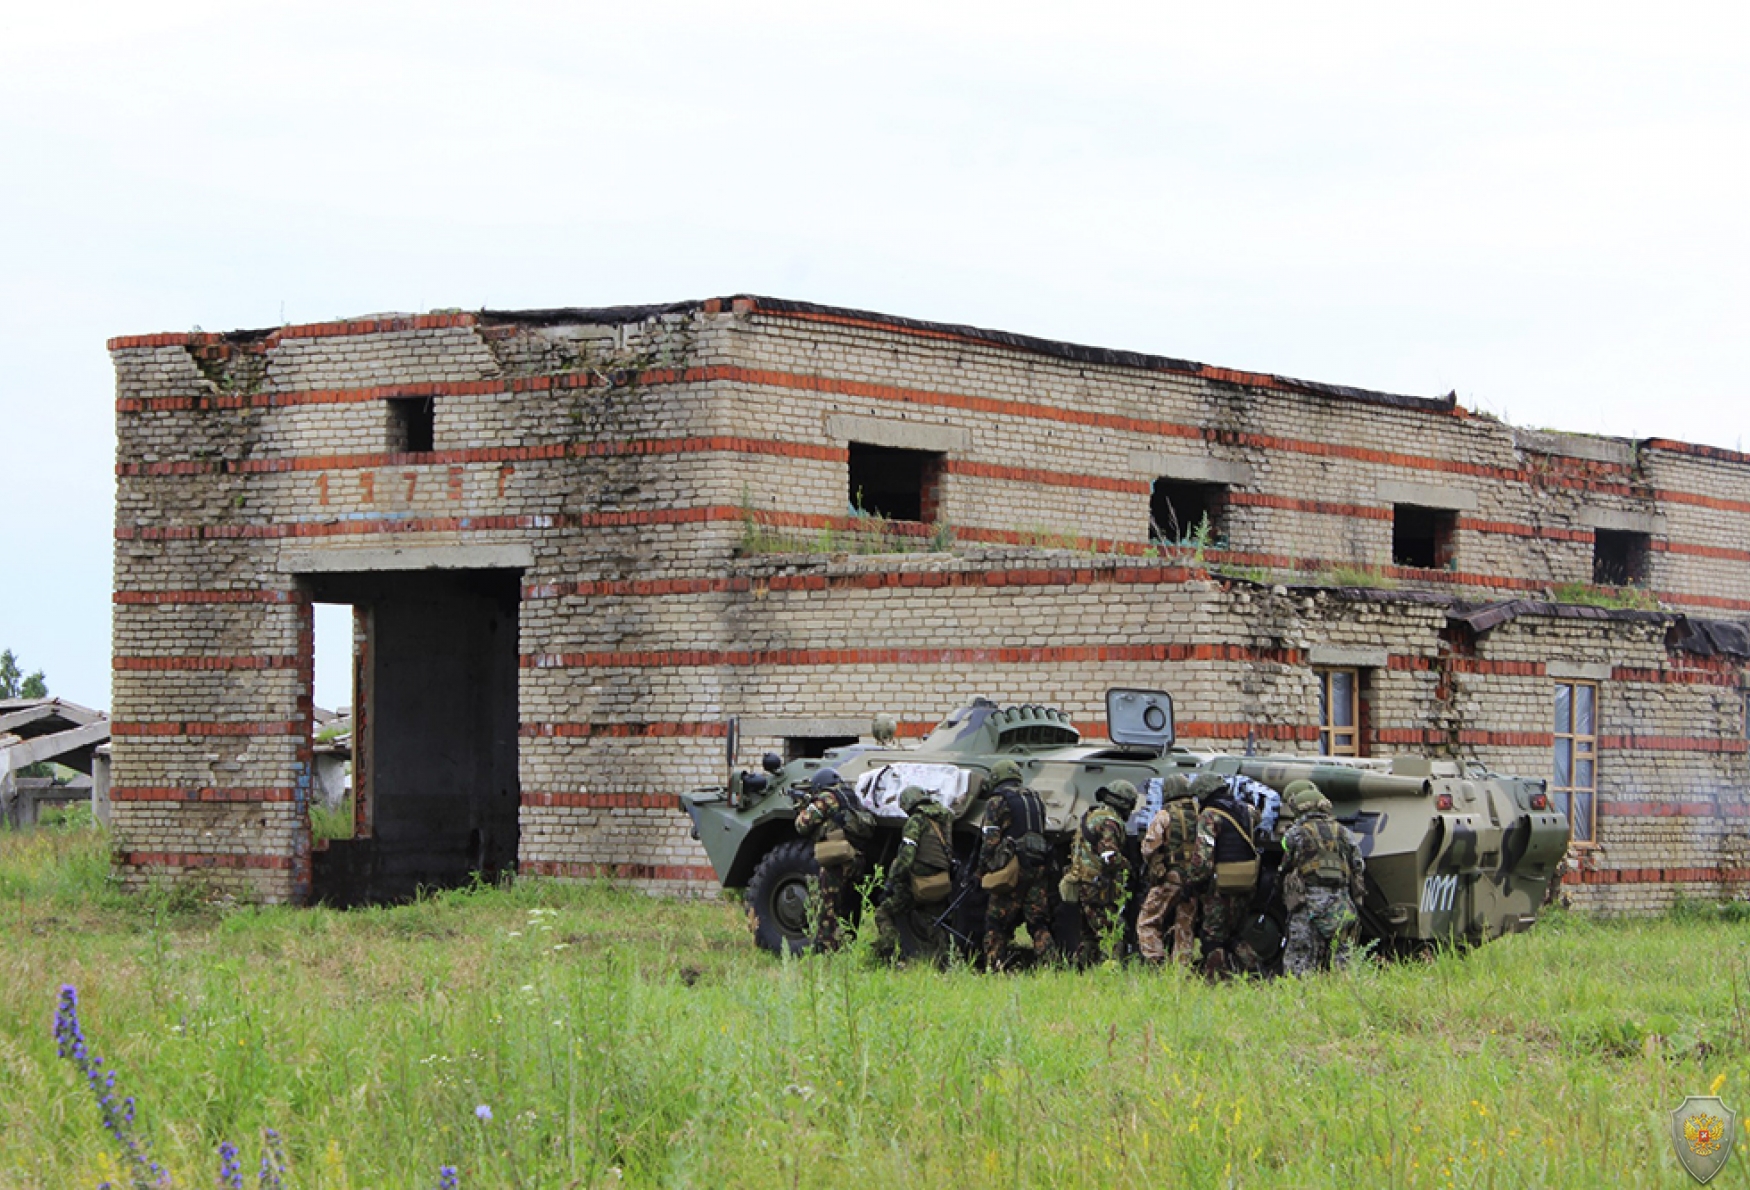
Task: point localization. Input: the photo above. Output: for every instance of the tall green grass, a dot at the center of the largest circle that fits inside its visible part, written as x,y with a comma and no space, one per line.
619,1039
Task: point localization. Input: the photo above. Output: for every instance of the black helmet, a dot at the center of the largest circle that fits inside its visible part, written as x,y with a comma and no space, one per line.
824,780
771,762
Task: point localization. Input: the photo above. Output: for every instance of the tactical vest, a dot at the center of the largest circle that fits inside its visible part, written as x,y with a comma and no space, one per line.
1180,836
1236,856
931,880
1026,826
1327,861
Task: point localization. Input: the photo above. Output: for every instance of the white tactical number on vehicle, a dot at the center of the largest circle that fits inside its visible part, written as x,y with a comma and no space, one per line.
1438,892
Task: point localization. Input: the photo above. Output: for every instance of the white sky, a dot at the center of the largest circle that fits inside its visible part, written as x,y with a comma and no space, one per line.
1539,206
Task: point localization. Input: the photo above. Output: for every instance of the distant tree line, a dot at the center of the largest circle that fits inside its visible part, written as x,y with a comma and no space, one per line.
15,683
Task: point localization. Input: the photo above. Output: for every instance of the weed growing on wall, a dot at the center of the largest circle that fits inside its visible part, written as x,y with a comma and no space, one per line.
1632,598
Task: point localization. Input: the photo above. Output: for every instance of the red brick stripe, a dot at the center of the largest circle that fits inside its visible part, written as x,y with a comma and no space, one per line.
195,596
1699,551
582,871
125,727
1611,808
721,444
1428,737
1321,507
173,793
1047,655
199,859
530,731
604,801
1657,875
314,330
131,664
1671,743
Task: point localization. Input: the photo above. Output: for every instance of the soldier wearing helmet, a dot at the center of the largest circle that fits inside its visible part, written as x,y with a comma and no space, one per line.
1099,870
1166,849
920,877
1322,882
1014,862
1223,874
834,819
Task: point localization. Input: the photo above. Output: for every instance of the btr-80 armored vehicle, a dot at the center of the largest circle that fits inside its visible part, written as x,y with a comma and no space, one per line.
1456,855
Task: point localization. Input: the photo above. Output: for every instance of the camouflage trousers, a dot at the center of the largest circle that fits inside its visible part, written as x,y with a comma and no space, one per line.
898,906
1028,901
1099,915
1165,911
1321,932
1223,914
831,887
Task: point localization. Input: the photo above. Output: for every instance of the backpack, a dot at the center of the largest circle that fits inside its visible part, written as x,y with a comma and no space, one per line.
931,880
1027,826
1236,867
1326,862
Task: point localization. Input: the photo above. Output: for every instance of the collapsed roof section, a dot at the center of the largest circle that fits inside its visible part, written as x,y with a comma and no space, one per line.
34,730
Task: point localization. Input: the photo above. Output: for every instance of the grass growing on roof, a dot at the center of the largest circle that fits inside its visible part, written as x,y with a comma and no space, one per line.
608,1031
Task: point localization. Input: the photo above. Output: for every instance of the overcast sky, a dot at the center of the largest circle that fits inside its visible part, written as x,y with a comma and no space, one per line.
1540,207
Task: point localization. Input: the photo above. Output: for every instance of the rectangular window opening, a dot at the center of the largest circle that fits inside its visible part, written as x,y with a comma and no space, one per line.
1574,785
1421,538
813,747
890,482
1342,712
1619,557
1182,512
412,425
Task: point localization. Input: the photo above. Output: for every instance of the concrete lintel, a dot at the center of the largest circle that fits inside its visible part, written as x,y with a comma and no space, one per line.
1425,495
904,435
28,715
798,728
1623,519
1346,656
1190,468
344,560
1576,446
1578,671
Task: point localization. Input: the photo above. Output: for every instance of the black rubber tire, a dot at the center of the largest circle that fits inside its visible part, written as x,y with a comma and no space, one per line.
777,895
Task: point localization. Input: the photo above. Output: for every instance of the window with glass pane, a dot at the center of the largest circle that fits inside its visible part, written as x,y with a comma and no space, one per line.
1575,783
1339,712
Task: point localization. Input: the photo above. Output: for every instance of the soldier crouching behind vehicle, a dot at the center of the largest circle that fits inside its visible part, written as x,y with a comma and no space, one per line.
1166,848
1322,882
920,877
1099,870
1223,874
1014,859
831,816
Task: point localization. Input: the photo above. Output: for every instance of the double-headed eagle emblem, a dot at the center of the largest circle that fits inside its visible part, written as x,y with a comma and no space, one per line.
1701,1132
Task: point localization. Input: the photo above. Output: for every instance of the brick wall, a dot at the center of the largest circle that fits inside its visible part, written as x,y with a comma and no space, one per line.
631,452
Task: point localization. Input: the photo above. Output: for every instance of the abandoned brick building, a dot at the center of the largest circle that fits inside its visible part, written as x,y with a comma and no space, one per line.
576,541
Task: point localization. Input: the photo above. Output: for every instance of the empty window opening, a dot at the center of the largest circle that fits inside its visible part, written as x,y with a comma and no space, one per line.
1181,512
1421,537
813,747
412,425
1342,712
900,485
1619,557
1575,787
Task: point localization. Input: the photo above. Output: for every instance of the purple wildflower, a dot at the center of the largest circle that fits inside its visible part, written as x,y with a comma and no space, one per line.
273,1162
448,1178
118,1114
483,1114
230,1169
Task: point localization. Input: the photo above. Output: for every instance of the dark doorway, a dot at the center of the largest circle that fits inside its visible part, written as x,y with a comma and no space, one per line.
1179,511
435,734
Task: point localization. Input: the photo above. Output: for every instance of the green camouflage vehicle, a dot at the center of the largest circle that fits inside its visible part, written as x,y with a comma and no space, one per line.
1453,854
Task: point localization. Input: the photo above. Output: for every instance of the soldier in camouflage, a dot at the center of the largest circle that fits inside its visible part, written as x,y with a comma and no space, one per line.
925,851
1166,847
830,816
1225,829
1322,872
1014,861
1099,871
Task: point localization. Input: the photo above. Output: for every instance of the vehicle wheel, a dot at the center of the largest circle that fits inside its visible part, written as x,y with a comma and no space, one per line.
777,895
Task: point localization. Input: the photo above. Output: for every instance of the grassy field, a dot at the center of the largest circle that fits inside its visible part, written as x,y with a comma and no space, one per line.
617,1039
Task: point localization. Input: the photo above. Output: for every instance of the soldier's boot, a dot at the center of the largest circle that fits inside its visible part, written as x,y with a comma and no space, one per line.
1044,947
1215,964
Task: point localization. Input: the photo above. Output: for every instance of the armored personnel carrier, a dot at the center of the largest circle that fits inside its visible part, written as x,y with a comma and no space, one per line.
1453,854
